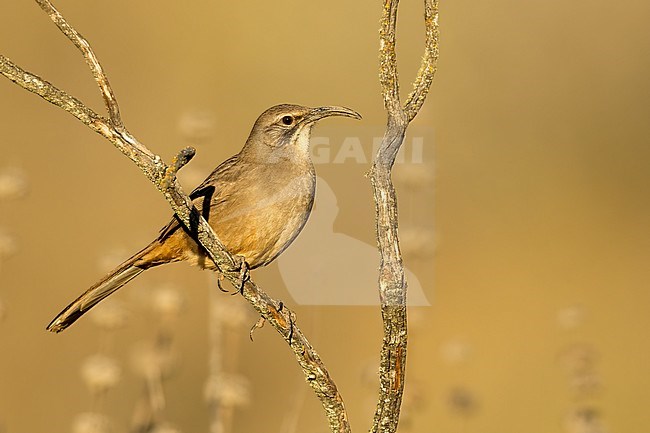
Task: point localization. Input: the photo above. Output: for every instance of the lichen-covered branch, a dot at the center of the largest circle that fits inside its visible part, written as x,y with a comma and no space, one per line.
423,81
392,285
164,177
388,76
47,91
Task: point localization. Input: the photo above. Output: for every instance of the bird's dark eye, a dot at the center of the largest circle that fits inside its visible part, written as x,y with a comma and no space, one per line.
287,120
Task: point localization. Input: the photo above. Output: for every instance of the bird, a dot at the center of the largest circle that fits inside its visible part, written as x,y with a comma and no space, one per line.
256,201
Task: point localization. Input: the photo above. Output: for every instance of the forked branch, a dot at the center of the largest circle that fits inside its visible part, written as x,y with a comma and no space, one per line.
164,177
98,72
392,285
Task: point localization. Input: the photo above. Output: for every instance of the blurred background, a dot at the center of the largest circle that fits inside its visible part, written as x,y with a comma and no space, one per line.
524,212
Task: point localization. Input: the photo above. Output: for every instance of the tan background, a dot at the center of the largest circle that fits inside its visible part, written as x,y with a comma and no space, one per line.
541,210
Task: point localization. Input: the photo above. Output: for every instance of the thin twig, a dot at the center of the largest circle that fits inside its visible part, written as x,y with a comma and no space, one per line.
392,285
50,93
282,319
72,105
96,68
388,76
423,81
179,161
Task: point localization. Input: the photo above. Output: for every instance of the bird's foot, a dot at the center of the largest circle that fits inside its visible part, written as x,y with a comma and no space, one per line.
292,319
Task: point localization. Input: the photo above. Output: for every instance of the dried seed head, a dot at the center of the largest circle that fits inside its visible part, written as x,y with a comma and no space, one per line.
100,373
231,314
417,242
153,361
197,126
109,315
13,183
571,317
89,422
229,390
455,351
8,245
167,301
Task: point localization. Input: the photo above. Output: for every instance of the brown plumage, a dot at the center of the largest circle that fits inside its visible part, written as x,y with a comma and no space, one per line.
256,201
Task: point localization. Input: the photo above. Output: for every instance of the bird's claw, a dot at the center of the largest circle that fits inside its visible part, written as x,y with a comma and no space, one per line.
260,323
219,280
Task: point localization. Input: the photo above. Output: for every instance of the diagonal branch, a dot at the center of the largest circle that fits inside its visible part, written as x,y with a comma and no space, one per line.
164,178
392,285
50,93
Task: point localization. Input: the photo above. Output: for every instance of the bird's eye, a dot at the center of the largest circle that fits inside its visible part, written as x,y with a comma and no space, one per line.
287,120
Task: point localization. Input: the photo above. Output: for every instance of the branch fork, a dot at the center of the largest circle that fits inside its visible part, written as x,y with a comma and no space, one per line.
392,284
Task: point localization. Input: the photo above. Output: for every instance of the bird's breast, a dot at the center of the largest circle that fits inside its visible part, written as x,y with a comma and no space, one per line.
260,219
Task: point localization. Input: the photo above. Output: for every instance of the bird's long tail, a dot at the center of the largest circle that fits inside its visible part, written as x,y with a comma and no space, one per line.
106,286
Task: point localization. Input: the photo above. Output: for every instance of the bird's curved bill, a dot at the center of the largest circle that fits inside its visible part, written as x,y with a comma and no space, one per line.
329,111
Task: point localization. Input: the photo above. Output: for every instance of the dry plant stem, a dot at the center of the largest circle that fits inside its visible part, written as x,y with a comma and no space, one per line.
392,286
164,177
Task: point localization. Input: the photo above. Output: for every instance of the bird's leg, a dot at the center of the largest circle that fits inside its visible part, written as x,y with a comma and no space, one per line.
244,274
292,319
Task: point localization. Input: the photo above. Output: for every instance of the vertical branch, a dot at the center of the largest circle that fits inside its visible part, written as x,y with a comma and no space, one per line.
392,285
388,76
424,78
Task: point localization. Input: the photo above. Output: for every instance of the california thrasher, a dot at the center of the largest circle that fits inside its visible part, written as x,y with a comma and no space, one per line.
256,202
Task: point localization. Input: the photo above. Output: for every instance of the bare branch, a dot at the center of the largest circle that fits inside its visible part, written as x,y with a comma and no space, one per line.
427,70
283,320
392,292
98,72
164,177
392,285
58,97
179,161
50,93
388,76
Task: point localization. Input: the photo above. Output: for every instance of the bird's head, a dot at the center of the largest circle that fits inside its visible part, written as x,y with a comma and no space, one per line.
283,131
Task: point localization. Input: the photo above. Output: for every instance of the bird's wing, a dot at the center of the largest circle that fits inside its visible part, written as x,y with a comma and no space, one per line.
209,194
